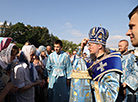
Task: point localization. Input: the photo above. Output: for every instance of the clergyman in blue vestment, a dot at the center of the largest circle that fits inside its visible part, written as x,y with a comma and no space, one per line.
106,70
59,69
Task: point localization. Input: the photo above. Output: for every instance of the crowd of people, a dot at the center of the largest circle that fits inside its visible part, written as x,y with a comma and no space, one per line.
41,74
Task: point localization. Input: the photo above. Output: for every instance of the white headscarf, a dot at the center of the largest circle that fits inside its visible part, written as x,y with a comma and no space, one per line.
5,56
25,57
26,52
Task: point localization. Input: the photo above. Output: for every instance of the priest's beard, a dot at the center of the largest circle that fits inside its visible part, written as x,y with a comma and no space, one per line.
92,57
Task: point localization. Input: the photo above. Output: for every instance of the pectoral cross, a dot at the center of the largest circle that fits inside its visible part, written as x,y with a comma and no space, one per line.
101,66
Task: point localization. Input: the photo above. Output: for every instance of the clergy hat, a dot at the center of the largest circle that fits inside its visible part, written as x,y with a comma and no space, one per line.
98,35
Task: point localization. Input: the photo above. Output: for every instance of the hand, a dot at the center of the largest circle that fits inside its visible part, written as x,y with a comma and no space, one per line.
74,70
42,84
84,42
38,82
124,92
10,86
47,80
14,90
124,84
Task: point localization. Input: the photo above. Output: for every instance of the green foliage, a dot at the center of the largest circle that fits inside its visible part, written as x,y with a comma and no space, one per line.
19,45
69,46
79,44
34,34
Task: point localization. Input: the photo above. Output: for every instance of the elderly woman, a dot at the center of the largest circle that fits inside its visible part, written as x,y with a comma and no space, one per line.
7,55
25,76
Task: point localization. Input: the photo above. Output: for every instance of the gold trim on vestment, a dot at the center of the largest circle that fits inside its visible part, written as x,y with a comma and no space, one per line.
107,56
106,72
102,73
80,75
97,94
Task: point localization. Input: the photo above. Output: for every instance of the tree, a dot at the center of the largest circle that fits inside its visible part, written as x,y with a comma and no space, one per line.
34,34
7,31
52,40
19,32
44,37
3,27
69,46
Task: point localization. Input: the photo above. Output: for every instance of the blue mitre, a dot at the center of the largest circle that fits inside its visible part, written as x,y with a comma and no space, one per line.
98,35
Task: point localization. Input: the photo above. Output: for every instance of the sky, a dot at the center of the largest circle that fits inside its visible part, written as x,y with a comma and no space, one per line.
72,19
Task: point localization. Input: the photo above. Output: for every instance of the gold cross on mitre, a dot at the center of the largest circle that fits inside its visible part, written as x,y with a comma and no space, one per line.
101,66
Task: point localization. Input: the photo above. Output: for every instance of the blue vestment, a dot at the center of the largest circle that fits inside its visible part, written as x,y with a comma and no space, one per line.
80,82
59,69
105,73
130,76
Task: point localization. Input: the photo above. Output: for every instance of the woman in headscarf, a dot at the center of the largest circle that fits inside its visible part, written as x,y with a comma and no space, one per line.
4,42
25,76
7,55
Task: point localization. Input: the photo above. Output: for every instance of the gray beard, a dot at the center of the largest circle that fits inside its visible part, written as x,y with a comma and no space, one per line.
92,57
